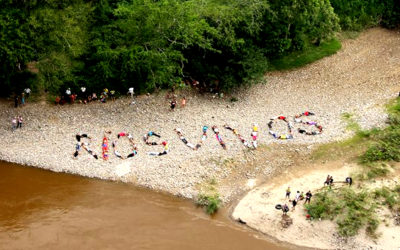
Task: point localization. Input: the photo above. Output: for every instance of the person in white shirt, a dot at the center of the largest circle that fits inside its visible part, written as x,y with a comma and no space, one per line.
27,92
297,196
131,91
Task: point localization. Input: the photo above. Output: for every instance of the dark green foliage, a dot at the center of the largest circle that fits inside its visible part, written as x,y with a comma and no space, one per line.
293,25
15,49
358,14
156,44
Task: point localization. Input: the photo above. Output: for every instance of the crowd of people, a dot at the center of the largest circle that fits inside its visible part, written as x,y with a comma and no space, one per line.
85,97
299,196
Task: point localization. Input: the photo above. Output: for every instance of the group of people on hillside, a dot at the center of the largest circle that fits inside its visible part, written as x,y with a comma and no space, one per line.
16,122
84,97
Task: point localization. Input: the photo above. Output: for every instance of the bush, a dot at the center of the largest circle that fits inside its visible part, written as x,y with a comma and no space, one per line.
211,202
360,14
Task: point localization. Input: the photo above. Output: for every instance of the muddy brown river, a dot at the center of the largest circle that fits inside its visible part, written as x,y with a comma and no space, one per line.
44,210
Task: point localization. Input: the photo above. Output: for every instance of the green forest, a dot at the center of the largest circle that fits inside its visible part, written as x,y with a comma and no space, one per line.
51,45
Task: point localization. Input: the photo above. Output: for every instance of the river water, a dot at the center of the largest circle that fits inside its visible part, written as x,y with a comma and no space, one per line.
44,210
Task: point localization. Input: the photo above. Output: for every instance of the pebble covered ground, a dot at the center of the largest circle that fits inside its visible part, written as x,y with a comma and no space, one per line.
358,80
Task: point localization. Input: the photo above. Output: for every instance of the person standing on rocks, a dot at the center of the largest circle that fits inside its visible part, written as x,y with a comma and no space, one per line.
173,104
16,101
112,95
19,122
131,92
183,104
14,124
22,99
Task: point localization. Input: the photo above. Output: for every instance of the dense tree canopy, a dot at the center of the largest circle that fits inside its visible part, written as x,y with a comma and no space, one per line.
152,44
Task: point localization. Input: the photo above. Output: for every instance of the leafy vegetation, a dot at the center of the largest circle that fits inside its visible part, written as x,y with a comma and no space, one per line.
358,14
209,197
350,209
369,146
53,45
389,197
353,209
306,56
211,202
387,141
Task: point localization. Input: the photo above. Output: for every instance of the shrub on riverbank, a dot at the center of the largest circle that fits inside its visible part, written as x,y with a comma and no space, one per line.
211,202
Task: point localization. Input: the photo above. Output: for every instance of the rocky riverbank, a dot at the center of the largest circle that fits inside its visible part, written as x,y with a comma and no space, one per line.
358,80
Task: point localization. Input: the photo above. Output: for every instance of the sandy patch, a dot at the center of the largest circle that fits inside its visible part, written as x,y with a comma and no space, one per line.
257,209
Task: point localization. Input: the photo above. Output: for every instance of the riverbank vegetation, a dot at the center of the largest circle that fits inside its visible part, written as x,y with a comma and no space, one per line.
209,197
355,207
51,46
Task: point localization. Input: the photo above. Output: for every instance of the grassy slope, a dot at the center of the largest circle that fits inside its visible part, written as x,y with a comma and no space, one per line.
354,208
309,55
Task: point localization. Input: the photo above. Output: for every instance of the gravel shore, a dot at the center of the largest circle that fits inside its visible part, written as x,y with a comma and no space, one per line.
358,80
